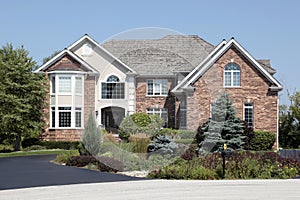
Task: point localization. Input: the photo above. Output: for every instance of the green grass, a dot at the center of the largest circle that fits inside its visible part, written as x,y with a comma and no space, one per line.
31,153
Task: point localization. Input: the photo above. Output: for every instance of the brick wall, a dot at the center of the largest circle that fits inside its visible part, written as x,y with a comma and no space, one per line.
143,101
254,88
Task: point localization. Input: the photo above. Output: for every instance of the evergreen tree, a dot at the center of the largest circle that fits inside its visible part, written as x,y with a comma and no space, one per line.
91,139
222,127
22,96
289,129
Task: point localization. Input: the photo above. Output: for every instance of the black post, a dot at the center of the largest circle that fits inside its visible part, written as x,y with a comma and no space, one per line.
223,155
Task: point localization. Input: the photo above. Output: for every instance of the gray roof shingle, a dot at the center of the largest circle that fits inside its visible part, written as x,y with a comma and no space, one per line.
161,56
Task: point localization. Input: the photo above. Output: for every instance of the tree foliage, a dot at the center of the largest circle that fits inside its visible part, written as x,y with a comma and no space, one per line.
289,120
222,127
140,123
91,139
22,96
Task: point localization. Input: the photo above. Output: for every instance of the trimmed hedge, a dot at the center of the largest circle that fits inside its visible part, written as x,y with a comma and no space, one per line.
67,145
262,141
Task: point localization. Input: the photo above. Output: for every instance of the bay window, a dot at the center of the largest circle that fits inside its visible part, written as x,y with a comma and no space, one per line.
66,104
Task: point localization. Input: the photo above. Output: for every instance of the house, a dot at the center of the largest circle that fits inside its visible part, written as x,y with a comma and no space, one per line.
176,77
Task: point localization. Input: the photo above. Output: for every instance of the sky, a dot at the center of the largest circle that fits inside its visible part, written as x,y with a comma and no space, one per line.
268,29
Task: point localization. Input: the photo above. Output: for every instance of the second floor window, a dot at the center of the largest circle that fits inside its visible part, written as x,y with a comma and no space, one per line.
113,88
232,75
157,87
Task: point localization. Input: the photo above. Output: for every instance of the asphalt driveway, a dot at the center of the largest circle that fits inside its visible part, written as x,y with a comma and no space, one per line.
33,171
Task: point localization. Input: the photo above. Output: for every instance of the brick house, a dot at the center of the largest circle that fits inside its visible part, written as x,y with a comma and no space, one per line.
176,77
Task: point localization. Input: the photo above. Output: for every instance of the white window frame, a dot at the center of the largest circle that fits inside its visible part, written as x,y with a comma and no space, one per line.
157,87
159,112
248,106
232,75
113,82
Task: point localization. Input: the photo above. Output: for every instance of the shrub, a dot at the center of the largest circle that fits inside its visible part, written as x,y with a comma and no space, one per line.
6,148
183,169
110,165
27,142
262,141
92,137
34,147
163,144
140,143
67,145
140,123
178,134
105,164
81,161
65,156
241,165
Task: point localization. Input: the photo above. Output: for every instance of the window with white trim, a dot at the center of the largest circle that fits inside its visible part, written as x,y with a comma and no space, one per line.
249,114
78,85
162,112
157,87
232,75
65,84
113,88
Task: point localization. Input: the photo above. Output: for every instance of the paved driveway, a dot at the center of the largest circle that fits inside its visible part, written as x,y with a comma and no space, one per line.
33,171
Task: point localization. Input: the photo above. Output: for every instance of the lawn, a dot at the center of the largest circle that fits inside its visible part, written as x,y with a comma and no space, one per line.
30,153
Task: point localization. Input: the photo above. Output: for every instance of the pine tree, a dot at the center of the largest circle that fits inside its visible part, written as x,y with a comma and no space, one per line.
91,139
22,96
222,127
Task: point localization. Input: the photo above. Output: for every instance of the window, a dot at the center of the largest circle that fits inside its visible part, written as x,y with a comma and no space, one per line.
157,87
78,85
52,117
78,118
113,89
232,75
162,112
64,116
248,114
65,84
52,78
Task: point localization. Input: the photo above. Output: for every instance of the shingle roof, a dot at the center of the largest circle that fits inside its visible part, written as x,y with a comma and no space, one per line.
161,56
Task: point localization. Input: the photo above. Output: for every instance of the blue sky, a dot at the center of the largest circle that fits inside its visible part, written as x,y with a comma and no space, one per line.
266,28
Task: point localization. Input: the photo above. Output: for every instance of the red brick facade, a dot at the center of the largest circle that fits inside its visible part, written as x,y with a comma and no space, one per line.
254,88
143,101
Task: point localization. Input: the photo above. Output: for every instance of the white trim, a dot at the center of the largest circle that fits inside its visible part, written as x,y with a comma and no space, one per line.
252,106
59,56
86,37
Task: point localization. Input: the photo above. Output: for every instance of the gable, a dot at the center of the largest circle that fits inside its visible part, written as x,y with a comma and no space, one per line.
219,51
95,55
66,63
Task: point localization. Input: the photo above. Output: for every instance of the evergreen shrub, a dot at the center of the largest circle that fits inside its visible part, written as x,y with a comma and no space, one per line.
262,141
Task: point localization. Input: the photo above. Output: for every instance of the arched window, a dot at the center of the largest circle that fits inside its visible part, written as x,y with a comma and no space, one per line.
232,75
113,88
113,79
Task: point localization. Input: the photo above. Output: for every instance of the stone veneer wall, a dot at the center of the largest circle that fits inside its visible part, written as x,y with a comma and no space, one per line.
254,88
72,134
143,101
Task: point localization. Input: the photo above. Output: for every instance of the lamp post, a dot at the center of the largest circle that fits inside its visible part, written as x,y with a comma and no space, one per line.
225,153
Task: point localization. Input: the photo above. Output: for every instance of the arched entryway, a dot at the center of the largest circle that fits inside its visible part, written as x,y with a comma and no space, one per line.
111,118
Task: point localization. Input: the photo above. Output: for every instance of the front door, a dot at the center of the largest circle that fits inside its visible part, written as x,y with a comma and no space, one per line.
112,117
